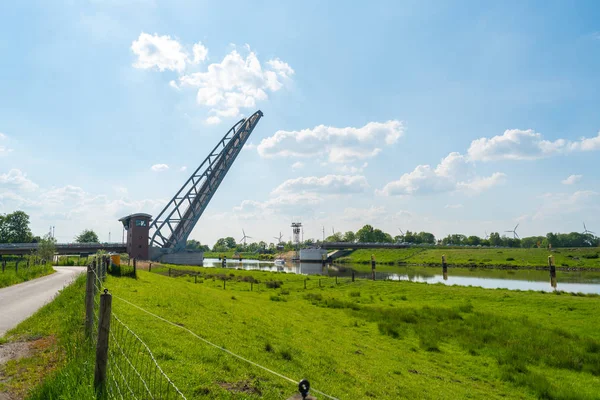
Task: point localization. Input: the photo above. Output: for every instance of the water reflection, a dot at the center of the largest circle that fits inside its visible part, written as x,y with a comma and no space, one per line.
576,281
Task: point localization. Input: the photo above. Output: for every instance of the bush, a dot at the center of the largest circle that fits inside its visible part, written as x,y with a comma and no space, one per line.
273,284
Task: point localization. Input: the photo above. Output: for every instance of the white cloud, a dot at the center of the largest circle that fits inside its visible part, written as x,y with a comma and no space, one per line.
338,145
516,144
298,165
370,214
3,136
560,204
350,169
17,179
213,120
284,203
330,184
200,52
572,179
3,149
451,174
453,206
159,167
478,184
235,83
161,52
282,68
183,169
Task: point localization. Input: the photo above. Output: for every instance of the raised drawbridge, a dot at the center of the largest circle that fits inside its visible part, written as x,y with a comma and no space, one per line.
169,231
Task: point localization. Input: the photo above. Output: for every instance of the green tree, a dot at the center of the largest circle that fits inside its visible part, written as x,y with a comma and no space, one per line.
365,234
46,248
87,236
495,239
14,228
349,237
426,237
336,237
196,245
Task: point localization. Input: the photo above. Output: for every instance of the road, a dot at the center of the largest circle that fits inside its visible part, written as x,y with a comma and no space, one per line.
18,302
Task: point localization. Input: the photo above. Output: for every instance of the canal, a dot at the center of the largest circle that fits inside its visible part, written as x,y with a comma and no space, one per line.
489,278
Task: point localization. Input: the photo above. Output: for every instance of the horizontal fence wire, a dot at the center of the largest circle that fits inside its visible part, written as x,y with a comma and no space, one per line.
133,372
132,369
295,382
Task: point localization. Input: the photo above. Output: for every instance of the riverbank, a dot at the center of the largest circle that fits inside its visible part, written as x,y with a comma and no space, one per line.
244,255
385,340
564,259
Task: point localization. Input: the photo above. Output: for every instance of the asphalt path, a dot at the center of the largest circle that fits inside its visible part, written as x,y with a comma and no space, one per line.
18,302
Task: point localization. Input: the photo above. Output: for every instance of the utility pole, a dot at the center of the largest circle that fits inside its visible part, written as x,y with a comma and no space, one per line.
323,233
108,236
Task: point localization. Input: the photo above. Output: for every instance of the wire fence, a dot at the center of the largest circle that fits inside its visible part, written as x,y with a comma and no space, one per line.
131,370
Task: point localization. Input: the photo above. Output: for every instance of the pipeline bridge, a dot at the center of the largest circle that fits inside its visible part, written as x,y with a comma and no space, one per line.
22,249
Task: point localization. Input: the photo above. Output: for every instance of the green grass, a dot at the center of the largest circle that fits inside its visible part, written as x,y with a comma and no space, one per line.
11,276
381,340
60,356
574,258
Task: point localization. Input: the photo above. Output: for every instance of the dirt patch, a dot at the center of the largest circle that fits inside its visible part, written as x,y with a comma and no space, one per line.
14,351
22,350
240,387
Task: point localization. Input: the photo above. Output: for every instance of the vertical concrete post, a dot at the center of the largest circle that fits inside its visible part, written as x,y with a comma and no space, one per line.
89,302
102,344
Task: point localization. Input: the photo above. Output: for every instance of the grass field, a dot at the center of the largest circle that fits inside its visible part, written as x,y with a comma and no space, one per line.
381,340
11,276
574,258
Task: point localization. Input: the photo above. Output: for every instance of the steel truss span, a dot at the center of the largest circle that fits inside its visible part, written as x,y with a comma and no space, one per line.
175,223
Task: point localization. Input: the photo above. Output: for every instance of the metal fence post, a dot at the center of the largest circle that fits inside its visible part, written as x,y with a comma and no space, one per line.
89,302
102,344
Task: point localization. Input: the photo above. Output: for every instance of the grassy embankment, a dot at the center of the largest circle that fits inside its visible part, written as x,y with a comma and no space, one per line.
11,276
233,254
353,340
473,257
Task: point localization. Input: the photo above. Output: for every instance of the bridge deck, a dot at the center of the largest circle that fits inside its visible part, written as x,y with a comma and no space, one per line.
62,248
355,246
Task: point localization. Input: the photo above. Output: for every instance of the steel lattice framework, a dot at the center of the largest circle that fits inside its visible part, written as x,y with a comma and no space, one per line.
175,223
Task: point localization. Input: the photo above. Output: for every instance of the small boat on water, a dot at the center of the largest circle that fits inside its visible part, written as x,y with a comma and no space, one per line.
279,261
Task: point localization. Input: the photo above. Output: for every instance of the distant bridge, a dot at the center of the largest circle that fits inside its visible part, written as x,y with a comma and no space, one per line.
19,249
356,246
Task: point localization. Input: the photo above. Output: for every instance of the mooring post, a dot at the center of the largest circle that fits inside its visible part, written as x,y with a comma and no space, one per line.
552,266
89,302
102,344
373,265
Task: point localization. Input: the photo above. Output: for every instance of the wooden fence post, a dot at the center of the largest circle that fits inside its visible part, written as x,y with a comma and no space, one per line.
552,266
352,276
373,265
251,286
304,283
223,283
134,267
150,267
102,344
89,302
336,280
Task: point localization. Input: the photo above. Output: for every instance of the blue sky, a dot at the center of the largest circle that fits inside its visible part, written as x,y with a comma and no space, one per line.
449,117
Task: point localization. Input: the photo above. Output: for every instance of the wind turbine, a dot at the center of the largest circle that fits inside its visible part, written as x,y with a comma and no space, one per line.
585,230
278,237
245,237
514,232
486,235
402,233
